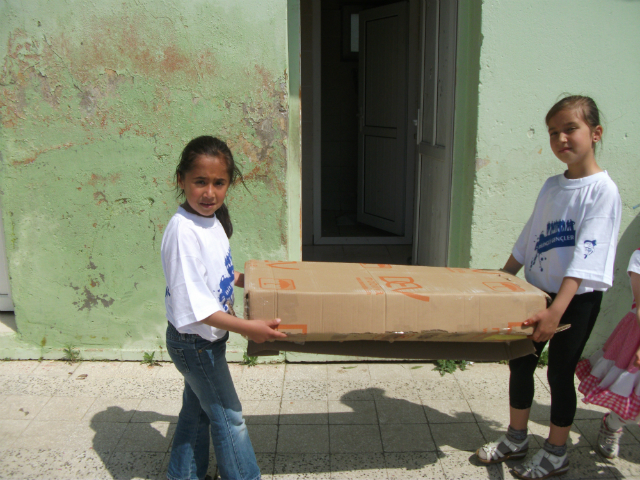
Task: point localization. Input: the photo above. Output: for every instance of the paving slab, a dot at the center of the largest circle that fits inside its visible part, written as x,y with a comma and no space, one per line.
448,411
112,410
348,371
303,439
304,412
346,389
410,466
259,389
395,410
314,372
21,407
461,465
61,408
358,466
264,438
261,412
305,390
299,466
355,439
463,437
352,412
10,431
146,437
407,438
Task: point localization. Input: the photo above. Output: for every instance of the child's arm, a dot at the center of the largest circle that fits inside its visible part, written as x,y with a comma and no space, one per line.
254,329
635,288
257,330
546,321
512,266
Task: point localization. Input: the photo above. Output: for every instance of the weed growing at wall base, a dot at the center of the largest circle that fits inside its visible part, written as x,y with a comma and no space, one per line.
148,359
449,366
249,361
71,355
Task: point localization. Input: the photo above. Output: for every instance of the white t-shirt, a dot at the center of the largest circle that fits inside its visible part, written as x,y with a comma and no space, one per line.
573,232
198,270
634,266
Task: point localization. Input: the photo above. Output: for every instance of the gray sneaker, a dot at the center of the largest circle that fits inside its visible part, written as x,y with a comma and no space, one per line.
608,440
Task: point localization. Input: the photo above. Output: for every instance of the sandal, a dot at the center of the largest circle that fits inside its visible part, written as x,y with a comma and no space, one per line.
502,450
542,465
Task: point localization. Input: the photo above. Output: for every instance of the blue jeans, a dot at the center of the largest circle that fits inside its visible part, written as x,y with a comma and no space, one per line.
209,401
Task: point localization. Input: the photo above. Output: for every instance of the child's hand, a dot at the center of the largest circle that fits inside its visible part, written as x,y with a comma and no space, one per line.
263,330
545,323
636,360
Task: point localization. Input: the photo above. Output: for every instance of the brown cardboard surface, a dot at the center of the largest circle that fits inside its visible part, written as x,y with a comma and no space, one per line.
348,302
472,351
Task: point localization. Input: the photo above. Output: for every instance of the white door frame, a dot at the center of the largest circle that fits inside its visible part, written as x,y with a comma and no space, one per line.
438,109
6,304
407,238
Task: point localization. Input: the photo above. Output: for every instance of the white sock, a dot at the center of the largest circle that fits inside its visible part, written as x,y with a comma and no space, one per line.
615,422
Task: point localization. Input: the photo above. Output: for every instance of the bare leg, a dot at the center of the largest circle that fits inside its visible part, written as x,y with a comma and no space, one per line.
518,418
558,435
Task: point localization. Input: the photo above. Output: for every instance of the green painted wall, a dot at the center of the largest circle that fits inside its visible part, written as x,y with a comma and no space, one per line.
531,53
97,99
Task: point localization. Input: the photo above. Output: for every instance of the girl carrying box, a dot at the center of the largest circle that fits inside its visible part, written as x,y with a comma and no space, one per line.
197,265
567,249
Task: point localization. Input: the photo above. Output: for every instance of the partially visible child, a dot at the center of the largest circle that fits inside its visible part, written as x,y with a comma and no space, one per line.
567,249
611,377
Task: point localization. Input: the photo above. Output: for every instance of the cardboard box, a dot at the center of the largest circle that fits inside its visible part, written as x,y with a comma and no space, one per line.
379,303
367,349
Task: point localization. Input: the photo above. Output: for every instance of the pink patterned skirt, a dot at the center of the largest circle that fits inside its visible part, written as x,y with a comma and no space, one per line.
609,378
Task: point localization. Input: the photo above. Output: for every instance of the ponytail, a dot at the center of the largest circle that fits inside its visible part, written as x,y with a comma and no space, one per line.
222,214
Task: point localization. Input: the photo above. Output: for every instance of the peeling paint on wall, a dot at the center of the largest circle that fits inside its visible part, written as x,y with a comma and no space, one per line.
96,103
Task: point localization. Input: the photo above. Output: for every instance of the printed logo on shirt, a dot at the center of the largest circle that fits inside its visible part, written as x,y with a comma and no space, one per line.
560,233
167,293
225,293
589,246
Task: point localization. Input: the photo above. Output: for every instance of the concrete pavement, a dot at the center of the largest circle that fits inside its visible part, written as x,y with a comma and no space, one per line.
115,420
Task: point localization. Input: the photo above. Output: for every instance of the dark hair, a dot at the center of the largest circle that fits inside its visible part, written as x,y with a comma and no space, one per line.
211,147
585,105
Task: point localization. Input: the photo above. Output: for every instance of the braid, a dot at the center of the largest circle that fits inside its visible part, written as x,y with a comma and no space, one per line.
222,214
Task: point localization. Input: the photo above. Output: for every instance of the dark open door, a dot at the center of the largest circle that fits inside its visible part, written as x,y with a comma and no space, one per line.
382,152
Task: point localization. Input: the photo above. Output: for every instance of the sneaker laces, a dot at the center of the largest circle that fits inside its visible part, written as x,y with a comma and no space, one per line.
610,437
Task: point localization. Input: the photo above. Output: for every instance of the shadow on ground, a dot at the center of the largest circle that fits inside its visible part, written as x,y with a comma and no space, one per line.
141,451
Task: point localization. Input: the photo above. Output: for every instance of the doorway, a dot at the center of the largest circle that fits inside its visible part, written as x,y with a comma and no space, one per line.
362,98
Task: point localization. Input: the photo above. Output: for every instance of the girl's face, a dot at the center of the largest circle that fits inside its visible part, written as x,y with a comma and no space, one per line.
205,185
572,139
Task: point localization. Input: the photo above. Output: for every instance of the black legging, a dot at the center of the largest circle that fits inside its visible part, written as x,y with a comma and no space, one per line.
564,353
